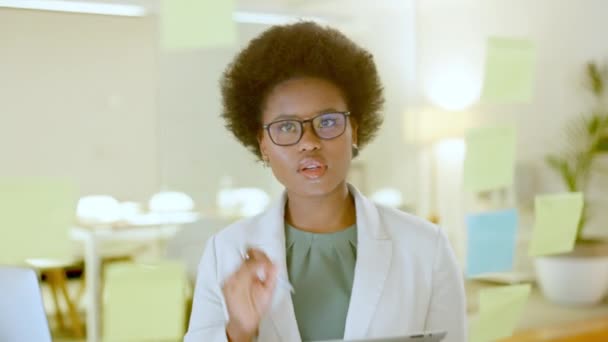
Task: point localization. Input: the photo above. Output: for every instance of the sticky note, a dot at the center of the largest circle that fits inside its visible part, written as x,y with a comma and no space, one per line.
35,218
509,70
192,24
500,310
491,242
556,223
490,158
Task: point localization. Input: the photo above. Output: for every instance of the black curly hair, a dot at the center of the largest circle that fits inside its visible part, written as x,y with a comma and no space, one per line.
301,49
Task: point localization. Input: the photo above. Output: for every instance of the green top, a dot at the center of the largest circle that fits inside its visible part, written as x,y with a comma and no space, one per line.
321,269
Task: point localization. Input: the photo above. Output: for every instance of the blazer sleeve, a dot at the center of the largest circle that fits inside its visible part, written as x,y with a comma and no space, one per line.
209,315
447,309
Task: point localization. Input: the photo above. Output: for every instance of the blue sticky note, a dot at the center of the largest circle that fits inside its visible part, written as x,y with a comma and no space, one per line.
491,242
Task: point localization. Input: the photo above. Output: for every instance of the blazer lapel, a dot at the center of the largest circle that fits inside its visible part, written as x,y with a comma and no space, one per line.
374,253
269,236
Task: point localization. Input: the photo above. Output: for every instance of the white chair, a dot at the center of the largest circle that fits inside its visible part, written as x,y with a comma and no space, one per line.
170,202
22,316
98,209
106,210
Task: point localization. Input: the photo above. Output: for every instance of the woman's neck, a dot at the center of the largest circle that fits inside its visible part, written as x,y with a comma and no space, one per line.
323,214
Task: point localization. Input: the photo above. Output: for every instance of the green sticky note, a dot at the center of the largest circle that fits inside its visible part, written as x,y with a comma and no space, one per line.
500,310
193,24
556,223
129,288
509,70
490,158
35,218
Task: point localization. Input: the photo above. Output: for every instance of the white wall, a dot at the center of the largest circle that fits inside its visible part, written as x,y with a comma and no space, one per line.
90,97
451,45
196,149
568,34
129,120
78,100
390,160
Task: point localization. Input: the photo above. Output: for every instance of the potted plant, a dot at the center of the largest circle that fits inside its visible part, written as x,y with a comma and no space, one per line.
581,276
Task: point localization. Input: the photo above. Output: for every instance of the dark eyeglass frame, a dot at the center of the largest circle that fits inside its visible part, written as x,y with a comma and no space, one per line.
302,122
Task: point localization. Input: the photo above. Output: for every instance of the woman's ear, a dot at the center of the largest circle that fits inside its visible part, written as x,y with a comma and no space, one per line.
262,143
355,138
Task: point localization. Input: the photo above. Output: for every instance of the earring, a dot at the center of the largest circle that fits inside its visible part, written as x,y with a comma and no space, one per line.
265,160
355,150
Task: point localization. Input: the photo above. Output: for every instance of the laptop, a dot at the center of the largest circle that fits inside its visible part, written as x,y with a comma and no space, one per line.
423,337
22,316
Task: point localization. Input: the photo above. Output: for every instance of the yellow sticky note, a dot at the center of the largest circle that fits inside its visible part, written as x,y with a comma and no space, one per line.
509,70
490,158
161,283
35,218
192,24
500,310
556,223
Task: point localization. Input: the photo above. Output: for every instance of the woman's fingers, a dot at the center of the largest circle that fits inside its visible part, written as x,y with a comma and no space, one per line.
260,266
249,291
257,254
271,280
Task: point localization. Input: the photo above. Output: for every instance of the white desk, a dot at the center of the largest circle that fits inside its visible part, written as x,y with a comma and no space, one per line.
149,227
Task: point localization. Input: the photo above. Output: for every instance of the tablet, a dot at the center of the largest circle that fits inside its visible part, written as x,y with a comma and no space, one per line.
423,337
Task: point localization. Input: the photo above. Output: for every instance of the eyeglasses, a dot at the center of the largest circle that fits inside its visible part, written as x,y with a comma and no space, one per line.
289,132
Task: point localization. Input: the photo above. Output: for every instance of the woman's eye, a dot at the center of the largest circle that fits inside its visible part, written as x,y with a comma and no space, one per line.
287,127
327,123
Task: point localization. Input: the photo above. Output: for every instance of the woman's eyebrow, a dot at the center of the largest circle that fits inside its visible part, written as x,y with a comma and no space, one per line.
294,116
286,116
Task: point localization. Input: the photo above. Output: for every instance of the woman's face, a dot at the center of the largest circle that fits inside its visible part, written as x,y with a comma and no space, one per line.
312,166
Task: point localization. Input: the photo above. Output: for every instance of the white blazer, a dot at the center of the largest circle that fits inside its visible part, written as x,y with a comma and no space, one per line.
406,278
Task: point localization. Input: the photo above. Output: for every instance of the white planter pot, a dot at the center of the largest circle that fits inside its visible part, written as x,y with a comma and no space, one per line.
573,280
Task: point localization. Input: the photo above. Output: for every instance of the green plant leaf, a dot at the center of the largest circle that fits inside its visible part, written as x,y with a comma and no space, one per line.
569,177
595,79
554,162
577,133
593,124
603,122
585,141
602,145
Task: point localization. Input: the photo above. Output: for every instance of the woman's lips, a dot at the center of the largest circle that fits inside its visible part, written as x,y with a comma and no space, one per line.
314,172
312,168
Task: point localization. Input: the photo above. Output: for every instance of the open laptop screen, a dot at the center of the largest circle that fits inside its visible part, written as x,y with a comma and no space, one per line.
22,316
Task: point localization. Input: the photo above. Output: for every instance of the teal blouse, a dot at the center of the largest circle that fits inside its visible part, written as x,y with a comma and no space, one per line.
321,269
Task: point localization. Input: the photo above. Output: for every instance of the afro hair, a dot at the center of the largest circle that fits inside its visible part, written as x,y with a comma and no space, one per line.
295,50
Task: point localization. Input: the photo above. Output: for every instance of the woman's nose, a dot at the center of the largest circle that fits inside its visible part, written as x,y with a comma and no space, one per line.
309,141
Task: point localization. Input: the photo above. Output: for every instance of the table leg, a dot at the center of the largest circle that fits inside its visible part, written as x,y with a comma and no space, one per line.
92,276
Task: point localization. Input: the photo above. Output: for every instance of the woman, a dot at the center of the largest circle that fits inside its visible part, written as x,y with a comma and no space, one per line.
304,99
